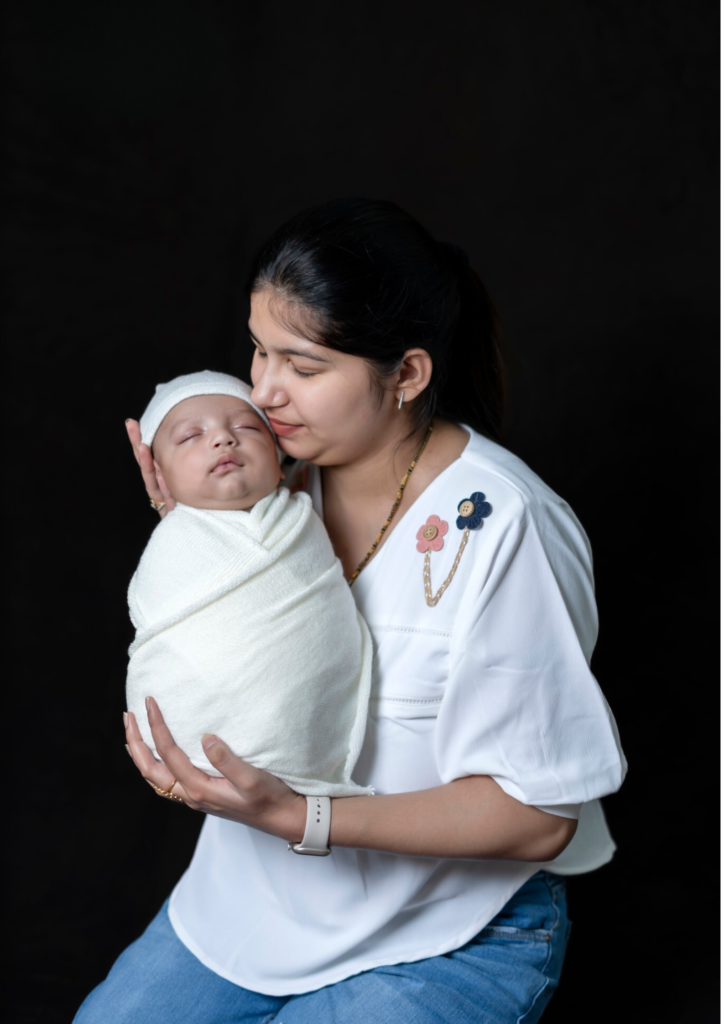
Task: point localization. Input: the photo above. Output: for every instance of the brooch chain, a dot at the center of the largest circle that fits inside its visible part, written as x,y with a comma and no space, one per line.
431,599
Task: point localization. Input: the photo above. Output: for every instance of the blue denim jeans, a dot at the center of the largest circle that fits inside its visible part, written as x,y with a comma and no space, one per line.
504,975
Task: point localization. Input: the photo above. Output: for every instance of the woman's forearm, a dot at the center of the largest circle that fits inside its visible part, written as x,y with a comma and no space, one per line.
470,817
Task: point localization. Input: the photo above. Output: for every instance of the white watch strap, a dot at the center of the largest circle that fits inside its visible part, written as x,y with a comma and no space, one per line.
315,840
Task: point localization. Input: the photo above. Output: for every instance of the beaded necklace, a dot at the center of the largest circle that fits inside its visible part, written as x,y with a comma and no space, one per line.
395,506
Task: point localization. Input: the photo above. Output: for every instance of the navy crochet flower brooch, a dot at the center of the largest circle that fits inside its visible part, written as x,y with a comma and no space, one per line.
472,511
431,537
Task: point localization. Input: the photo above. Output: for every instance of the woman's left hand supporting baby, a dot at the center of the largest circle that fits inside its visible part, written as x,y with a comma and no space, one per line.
474,817
245,794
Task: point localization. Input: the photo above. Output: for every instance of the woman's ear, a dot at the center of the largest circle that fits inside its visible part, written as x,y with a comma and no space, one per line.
414,373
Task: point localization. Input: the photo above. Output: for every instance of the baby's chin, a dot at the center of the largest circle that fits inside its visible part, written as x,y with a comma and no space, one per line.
228,497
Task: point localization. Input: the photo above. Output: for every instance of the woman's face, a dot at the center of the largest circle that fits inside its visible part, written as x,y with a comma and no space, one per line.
322,404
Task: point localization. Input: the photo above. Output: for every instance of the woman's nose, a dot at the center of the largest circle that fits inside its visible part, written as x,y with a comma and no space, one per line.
267,394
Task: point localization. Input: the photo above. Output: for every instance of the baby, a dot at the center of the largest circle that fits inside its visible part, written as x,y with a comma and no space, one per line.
245,625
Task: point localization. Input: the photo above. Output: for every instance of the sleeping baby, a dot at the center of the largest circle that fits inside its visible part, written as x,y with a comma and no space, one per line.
245,625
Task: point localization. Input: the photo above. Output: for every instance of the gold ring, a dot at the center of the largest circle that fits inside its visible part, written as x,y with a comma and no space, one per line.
167,792
158,505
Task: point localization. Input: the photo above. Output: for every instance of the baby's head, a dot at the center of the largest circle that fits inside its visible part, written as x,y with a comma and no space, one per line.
212,446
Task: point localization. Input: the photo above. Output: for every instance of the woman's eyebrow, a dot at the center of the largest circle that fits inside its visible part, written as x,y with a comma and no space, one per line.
293,352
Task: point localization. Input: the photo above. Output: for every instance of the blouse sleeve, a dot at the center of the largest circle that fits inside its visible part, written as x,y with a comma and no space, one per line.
521,704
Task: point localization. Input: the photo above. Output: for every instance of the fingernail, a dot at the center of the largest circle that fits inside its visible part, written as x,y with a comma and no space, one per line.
208,740
126,421
148,703
125,719
128,750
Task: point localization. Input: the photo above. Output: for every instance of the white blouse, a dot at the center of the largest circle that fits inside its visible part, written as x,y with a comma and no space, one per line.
494,680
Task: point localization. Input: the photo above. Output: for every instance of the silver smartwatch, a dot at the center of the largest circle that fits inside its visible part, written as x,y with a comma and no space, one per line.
315,841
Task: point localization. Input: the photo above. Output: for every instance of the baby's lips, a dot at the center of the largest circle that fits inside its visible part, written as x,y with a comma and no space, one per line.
227,461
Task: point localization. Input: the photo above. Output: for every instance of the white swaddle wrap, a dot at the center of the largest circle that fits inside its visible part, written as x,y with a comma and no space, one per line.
245,627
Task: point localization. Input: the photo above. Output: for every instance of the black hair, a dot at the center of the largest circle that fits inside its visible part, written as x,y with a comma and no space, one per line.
364,277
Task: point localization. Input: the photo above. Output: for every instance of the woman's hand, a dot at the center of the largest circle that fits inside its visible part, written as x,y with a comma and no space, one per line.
245,794
155,484
472,816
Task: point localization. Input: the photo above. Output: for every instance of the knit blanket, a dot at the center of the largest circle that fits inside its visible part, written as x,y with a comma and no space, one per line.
246,628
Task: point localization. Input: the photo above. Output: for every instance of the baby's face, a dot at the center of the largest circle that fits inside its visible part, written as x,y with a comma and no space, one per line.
215,452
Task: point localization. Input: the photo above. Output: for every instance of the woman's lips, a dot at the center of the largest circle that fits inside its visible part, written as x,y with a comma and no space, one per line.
283,429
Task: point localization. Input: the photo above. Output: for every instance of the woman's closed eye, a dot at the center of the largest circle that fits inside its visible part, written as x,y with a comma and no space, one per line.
259,351
300,373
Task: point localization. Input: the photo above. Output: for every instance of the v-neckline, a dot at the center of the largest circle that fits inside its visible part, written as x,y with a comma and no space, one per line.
317,500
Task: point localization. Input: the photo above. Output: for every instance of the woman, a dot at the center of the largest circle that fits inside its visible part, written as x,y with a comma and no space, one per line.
488,741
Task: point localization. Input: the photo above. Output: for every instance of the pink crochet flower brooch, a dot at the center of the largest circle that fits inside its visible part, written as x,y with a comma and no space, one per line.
431,536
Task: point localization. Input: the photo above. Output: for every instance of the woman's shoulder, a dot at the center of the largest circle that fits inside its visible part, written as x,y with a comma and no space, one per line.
529,535
517,494
509,471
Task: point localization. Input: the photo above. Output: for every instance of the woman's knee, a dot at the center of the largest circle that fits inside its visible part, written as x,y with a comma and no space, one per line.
138,978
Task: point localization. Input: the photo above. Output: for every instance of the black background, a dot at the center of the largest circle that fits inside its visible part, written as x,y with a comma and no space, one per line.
571,148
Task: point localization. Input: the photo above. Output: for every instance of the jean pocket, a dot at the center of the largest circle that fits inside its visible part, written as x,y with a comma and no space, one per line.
501,931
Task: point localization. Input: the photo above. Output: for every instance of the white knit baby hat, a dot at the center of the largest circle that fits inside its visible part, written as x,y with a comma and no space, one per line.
189,385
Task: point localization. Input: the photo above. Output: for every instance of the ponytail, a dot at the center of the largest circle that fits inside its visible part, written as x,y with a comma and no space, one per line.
471,385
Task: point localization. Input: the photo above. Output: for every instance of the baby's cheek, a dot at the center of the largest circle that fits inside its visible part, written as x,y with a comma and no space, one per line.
270,475
183,479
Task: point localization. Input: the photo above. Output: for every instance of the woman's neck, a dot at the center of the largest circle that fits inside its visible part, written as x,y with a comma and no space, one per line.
358,496
376,472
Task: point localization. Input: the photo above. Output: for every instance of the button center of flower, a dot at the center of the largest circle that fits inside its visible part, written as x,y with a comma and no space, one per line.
466,509
430,532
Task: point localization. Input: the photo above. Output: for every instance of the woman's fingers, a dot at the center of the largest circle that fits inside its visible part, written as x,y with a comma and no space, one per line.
148,472
240,774
152,480
155,484
195,782
245,793
142,756
153,771
133,429
167,497
268,803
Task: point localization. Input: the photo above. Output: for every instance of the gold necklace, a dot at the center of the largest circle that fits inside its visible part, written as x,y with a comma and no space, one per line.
395,506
